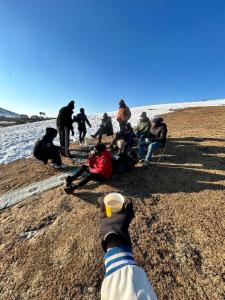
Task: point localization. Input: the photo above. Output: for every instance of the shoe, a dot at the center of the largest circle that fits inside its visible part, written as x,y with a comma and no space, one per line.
55,166
70,189
141,160
93,136
146,163
63,166
68,181
67,154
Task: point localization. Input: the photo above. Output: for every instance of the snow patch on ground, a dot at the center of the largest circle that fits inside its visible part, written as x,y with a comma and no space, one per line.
18,141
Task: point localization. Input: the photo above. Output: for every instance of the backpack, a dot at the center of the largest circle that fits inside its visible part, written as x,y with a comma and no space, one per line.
128,113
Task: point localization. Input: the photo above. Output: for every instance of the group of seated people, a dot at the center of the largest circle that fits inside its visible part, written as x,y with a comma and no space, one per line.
103,162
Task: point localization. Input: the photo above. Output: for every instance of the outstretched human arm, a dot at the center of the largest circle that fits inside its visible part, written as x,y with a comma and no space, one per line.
114,230
87,121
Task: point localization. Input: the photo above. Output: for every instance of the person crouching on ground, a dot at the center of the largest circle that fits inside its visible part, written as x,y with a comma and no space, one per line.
81,119
99,169
45,150
155,140
144,125
123,279
106,127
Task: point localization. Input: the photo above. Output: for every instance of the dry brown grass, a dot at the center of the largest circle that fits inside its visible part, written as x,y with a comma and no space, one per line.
178,232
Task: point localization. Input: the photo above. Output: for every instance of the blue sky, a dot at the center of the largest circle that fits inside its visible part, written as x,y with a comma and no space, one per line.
96,52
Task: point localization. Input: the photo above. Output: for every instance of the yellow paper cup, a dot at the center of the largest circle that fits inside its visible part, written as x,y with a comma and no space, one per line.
113,203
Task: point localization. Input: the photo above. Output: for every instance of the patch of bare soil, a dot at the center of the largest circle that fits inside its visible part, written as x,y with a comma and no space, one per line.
49,246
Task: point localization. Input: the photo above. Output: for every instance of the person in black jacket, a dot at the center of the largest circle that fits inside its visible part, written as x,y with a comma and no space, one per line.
82,119
44,149
64,124
125,159
105,128
156,139
127,134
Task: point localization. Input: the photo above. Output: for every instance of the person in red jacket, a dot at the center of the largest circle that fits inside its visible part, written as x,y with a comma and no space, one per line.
99,169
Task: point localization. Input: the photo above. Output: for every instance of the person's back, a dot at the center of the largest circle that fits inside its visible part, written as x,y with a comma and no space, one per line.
44,148
64,118
82,119
124,113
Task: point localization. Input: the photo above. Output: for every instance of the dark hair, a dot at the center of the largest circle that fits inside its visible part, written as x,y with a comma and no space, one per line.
71,104
51,131
100,148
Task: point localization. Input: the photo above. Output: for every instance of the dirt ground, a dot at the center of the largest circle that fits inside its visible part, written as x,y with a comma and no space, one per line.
49,247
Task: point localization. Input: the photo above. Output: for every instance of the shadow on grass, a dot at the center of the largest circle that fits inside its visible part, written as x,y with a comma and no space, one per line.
186,167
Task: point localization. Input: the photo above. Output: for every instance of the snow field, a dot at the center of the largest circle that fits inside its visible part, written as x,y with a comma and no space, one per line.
17,141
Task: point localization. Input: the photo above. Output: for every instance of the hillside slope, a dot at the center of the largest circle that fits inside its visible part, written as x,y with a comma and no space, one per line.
8,114
49,247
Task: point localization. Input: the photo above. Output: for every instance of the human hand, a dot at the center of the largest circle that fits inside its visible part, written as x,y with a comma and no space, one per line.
91,153
116,225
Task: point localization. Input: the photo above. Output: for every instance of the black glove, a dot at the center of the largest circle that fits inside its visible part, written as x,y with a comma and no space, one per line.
116,225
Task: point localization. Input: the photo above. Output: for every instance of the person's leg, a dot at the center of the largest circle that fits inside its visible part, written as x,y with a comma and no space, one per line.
142,137
122,125
141,150
151,149
97,133
67,140
91,176
55,156
99,138
83,169
61,136
80,135
84,134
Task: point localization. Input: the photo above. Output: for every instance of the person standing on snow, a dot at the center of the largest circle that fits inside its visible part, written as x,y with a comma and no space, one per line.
123,114
123,280
64,124
82,119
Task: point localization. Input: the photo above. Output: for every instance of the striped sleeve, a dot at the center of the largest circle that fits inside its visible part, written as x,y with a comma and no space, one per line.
116,258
